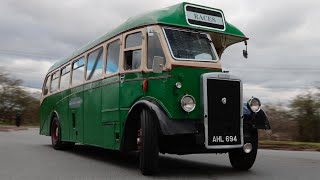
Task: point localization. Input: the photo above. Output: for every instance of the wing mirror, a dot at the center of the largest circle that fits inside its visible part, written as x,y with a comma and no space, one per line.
158,64
245,52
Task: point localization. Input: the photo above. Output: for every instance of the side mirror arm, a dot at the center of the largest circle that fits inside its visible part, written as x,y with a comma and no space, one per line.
245,52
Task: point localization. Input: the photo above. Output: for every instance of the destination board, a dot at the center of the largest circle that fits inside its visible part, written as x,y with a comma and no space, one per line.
197,16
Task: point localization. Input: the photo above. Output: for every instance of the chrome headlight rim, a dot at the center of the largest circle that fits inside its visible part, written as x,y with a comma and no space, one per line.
254,99
183,103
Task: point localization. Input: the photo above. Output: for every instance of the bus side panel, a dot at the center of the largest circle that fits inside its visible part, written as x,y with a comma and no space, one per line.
51,104
123,117
92,114
130,91
75,104
62,109
165,91
110,110
162,87
45,112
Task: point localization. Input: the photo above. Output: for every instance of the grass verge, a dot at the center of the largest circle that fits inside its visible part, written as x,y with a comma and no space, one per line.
289,145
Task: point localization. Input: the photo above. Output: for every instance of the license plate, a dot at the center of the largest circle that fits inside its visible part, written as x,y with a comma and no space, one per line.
224,139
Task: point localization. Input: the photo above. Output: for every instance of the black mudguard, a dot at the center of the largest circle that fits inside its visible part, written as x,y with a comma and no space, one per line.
167,126
258,120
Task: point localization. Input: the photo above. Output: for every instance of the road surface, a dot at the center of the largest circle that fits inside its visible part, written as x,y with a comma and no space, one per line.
27,155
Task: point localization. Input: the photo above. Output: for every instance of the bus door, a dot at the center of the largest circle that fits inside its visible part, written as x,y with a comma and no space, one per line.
110,96
76,108
93,132
62,105
131,79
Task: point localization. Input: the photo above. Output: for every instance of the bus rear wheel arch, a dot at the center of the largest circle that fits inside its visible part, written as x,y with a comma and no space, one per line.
55,133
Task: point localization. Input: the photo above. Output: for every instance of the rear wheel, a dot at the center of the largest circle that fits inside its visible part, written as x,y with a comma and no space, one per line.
244,161
148,143
56,136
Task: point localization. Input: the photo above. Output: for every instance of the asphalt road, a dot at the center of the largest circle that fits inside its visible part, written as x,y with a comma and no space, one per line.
27,155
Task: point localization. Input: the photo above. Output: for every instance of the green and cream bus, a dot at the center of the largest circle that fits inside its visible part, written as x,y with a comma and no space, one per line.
154,85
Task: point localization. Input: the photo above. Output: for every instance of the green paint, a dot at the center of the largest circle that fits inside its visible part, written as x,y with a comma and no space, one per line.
95,113
104,104
173,15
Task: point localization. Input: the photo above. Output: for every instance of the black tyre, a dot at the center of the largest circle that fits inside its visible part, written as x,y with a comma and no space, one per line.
56,136
244,161
148,145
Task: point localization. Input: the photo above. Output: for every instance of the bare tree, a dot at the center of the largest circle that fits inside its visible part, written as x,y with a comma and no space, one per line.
306,111
282,123
13,98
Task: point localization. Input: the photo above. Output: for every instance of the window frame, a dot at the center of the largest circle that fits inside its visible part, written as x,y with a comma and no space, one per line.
87,60
141,47
51,79
47,78
84,74
106,56
192,31
163,48
61,74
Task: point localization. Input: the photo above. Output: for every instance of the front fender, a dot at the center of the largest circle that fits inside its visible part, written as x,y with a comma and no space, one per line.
167,126
259,120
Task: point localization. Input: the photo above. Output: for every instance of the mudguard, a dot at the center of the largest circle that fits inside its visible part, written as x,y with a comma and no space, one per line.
167,126
259,120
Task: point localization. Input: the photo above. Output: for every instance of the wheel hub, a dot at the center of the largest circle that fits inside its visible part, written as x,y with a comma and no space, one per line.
55,132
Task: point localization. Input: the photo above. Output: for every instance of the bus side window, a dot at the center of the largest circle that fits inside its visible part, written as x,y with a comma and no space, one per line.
46,86
65,77
54,82
113,57
133,55
154,49
77,72
94,65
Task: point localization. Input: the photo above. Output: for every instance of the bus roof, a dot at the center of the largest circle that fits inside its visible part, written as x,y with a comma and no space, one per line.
174,15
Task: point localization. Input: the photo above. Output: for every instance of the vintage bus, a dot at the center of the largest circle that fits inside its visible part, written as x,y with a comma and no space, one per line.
154,85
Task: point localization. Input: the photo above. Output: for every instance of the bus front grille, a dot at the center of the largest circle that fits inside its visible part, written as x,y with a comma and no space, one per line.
224,112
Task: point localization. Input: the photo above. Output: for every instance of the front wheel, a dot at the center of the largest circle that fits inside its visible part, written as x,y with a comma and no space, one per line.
148,143
241,160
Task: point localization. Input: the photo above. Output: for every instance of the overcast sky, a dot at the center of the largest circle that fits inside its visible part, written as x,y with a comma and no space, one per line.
284,45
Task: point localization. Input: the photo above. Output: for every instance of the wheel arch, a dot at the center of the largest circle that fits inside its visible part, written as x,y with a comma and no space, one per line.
53,115
129,139
166,125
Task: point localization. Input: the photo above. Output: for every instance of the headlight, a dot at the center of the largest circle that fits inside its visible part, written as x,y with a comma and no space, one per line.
254,104
188,103
178,85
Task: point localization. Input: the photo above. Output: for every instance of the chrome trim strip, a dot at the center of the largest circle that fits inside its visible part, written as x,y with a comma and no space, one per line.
109,110
125,109
204,95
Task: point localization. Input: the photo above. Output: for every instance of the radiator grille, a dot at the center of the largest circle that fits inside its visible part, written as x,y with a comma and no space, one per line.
224,119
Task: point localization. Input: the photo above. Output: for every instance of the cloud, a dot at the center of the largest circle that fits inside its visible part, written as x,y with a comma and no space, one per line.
270,95
283,45
32,72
